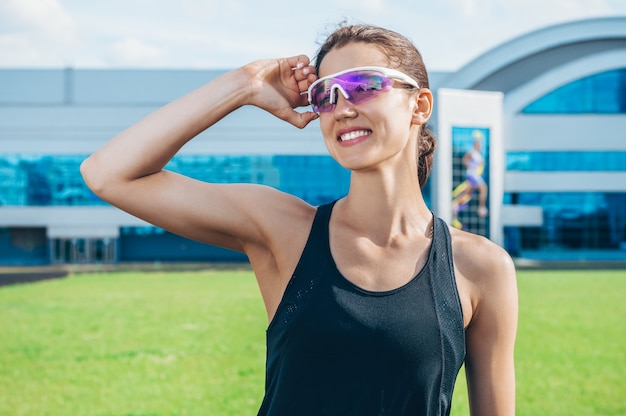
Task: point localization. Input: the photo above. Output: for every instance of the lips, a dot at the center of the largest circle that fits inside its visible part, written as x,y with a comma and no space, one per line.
352,135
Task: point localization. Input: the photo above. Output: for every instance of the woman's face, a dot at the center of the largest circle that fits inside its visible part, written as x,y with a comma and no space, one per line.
374,132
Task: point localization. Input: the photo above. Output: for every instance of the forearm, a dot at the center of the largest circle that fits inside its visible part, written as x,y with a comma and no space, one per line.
148,145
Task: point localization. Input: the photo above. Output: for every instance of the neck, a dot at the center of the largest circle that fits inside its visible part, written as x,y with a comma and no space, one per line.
385,207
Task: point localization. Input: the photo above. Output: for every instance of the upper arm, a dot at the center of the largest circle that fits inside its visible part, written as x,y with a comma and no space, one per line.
227,215
269,226
490,336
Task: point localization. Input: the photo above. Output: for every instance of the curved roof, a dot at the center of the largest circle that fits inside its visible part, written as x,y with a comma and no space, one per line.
532,55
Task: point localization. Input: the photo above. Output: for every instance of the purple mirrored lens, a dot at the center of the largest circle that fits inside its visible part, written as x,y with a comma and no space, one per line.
359,86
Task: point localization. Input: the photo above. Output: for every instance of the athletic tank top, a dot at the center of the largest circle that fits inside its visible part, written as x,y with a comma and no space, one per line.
334,348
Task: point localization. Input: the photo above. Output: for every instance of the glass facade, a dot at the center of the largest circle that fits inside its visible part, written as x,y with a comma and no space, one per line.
603,93
581,225
576,225
23,245
28,180
32,180
590,225
566,161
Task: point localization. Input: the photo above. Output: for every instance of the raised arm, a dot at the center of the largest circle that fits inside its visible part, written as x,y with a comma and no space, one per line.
128,170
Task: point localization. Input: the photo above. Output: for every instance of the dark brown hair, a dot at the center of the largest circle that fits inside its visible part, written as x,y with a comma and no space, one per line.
403,56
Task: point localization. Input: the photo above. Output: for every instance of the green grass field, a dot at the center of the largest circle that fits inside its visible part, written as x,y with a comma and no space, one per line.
193,343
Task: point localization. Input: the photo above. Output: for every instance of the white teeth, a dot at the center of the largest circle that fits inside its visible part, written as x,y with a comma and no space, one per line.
353,135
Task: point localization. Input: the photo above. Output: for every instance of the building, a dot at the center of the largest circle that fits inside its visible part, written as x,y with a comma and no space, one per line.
564,138
549,109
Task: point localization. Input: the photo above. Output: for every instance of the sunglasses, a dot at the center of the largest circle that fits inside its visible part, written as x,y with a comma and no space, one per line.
356,85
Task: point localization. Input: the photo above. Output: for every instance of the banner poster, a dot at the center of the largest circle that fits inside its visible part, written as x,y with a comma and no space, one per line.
470,179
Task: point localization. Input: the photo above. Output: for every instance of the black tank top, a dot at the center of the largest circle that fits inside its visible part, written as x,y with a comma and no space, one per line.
336,349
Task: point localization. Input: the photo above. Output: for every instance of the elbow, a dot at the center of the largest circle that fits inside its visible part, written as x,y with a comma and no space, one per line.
93,176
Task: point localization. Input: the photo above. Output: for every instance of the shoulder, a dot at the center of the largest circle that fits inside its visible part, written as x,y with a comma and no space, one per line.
477,256
485,273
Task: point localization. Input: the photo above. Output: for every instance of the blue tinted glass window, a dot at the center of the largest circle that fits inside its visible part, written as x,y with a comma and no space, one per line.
576,225
43,180
28,180
603,93
566,161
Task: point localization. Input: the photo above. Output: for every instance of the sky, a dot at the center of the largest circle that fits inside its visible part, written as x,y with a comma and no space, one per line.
224,34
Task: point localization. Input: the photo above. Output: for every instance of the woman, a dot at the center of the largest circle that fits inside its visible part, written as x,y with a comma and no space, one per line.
373,303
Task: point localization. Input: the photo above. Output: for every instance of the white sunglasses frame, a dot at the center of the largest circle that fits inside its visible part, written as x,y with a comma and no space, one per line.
393,74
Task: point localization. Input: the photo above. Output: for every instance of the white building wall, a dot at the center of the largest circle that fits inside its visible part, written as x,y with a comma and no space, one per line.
584,132
74,112
464,108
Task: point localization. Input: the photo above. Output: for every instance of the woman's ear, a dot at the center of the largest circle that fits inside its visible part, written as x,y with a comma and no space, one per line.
424,106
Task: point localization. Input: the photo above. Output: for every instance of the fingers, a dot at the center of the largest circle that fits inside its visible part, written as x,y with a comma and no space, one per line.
305,77
301,120
298,61
296,75
297,119
303,72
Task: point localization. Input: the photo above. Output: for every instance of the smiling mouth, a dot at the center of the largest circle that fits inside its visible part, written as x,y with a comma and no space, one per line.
354,135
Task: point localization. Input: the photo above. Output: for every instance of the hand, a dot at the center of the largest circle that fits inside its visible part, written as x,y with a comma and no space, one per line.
279,86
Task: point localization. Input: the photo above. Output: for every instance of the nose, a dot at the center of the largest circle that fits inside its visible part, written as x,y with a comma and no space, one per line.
344,109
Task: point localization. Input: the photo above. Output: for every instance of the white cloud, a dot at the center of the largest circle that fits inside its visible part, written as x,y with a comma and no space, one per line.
38,17
134,52
207,9
221,33
460,30
470,8
369,6
35,32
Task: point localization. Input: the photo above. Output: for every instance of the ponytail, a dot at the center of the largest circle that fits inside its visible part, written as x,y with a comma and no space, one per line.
426,149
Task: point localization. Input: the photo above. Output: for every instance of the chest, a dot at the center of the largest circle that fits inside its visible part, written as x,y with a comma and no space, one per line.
375,268
342,320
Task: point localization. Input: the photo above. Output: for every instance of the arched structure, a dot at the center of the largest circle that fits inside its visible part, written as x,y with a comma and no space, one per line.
571,165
